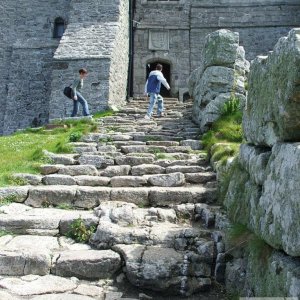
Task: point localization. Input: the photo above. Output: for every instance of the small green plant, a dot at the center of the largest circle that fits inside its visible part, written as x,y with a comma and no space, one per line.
93,128
230,107
75,136
153,139
241,237
105,140
63,147
112,128
8,200
4,233
13,180
102,114
65,206
80,232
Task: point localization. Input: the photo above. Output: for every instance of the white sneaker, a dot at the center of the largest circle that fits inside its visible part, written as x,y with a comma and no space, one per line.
147,117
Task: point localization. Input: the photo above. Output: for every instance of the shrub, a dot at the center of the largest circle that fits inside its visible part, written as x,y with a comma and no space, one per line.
75,136
80,232
8,200
230,107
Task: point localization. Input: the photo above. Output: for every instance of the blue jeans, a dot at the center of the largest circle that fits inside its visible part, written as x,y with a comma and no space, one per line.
84,104
160,104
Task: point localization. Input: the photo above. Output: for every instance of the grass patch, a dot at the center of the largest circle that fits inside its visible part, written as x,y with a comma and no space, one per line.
106,140
102,114
22,152
240,236
4,233
80,232
65,206
8,200
227,130
153,139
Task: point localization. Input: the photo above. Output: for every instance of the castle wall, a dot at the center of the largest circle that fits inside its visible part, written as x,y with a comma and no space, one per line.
97,39
26,51
259,23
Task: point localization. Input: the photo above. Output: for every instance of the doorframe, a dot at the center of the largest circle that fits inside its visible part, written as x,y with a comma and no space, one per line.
163,61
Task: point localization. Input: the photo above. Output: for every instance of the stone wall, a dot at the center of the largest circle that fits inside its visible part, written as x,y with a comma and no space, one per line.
97,33
259,23
263,193
97,39
26,51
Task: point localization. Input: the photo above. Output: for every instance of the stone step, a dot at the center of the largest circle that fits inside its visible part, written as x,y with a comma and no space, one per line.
50,287
155,149
86,197
127,176
18,218
20,256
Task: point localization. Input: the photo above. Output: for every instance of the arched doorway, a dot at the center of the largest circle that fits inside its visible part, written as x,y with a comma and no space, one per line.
167,74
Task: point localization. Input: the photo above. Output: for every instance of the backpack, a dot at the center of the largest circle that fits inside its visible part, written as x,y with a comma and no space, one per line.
68,92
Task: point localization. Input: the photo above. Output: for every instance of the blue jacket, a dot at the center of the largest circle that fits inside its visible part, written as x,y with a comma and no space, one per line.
153,84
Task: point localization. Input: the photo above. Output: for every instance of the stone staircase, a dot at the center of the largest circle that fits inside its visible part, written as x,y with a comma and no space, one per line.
146,188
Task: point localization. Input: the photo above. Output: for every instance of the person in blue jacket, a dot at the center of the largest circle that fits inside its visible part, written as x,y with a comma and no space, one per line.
152,87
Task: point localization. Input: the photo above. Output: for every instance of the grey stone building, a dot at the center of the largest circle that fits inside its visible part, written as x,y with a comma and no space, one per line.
173,32
43,43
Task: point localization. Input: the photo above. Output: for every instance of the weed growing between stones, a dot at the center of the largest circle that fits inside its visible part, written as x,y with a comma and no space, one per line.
239,236
153,139
65,206
8,200
105,140
80,232
12,180
4,233
75,136
102,114
231,107
226,135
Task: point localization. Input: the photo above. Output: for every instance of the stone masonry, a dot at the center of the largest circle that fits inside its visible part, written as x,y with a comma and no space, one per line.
96,38
173,32
36,67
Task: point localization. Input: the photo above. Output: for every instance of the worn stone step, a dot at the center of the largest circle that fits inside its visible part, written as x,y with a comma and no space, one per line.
150,137
49,287
183,272
165,180
165,234
87,197
18,218
20,256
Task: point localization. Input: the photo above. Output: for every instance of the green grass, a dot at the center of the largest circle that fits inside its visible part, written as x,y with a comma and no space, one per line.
239,236
65,206
227,131
22,152
102,114
8,200
4,233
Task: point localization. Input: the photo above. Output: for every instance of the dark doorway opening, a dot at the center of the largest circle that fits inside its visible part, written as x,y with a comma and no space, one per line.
167,74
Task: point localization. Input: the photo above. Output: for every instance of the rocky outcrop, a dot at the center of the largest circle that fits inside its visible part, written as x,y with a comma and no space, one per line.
272,113
276,275
264,194
221,77
264,187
